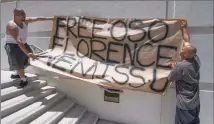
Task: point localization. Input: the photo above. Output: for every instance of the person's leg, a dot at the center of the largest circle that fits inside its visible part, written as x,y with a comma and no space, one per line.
198,113
186,116
7,49
24,81
15,75
24,63
178,114
176,118
22,66
22,76
21,73
17,62
11,51
195,113
20,62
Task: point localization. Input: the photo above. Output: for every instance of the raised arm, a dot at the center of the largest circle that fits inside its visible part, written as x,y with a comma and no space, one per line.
34,19
185,33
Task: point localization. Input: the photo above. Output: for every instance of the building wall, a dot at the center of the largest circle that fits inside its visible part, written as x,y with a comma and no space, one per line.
134,107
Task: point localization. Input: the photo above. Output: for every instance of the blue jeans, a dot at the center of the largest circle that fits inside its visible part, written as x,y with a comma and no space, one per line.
187,116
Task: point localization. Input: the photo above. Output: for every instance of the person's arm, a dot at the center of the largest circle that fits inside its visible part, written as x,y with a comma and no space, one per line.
176,73
185,33
14,32
34,19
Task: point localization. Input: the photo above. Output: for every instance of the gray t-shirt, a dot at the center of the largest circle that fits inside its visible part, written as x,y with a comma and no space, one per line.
186,76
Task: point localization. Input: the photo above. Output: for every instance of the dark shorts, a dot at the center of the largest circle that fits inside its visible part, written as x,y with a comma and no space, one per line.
187,116
17,59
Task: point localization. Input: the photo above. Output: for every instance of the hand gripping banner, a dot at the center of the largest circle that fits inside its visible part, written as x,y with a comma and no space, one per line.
125,53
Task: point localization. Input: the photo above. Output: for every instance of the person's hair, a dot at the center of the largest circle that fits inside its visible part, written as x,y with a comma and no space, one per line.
193,49
17,10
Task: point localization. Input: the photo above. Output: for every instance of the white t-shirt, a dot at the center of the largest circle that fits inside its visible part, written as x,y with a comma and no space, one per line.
22,34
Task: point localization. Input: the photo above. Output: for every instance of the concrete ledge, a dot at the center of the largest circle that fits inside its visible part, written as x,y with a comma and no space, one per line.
106,122
89,118
7,1
74,115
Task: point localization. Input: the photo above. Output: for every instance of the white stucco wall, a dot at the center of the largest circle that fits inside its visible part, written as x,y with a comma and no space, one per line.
134,107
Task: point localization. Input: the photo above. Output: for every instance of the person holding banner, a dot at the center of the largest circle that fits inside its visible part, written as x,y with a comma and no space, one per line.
17,49
186,75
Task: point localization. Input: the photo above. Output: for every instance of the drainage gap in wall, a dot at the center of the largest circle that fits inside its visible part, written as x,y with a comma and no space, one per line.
112,95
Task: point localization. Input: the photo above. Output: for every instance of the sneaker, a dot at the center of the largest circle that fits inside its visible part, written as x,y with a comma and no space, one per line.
13,76
23,83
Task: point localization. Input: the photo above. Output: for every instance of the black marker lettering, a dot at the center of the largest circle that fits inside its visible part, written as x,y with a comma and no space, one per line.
154,80
78,46
50,60
56,36
163,57
111,50
94,52
131,56
143,30
104,73
69,27
82,27
79,62
138,76
165,35
112,29
93,28
137,57
122,73
89,69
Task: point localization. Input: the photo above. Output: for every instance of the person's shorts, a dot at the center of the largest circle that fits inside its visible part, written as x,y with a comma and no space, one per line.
17,59
187,116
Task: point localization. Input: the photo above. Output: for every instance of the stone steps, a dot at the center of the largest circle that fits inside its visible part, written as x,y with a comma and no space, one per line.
53,115
89,118
38,103
6,81
10,92
33,111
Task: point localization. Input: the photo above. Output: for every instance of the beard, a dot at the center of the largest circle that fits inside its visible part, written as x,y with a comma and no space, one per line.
182,55
23,19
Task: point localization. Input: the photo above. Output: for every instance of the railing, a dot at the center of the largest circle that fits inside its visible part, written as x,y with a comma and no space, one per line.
36,49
